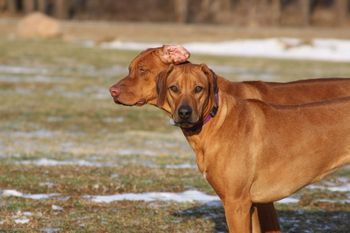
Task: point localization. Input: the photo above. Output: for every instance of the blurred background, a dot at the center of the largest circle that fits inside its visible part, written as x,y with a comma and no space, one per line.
233,12
67,151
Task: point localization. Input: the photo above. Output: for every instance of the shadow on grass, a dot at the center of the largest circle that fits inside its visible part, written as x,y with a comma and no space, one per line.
292,221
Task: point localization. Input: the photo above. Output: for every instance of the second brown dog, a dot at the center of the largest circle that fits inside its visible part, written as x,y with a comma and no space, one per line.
251,151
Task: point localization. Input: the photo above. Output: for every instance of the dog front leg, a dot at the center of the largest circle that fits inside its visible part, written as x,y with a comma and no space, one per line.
238,215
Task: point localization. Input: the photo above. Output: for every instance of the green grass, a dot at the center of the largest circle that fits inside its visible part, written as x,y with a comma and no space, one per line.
68,115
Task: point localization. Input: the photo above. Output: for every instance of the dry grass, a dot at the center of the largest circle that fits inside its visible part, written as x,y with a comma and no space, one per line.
67,115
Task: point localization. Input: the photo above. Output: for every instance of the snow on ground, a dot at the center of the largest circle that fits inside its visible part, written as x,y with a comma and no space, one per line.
327,200
284,48
181,166
41,133
288,200
338,188
15,193
52,162
32,79
50,230
56,208
22,220
22,70
187,196
131,151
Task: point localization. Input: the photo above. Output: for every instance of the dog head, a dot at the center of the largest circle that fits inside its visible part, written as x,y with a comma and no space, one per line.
188,90
139,86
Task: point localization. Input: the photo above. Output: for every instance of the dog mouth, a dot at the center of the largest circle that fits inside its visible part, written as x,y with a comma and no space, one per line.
140,102
185,124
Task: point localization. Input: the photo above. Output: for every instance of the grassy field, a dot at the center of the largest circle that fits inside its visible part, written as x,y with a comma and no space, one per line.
61,133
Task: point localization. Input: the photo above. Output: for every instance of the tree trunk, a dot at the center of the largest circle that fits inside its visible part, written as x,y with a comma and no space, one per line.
61,9
305,11
341,11
181,10
42,6
204,11
28,6
11,6
2,5
222,13
275,12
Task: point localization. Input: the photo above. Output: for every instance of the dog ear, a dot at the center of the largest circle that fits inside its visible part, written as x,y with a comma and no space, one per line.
213,83
174,54
161,85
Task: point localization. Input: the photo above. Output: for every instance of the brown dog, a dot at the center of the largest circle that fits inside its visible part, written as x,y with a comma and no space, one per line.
251,151
139,87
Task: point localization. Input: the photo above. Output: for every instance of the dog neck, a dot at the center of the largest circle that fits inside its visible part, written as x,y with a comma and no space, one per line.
202,139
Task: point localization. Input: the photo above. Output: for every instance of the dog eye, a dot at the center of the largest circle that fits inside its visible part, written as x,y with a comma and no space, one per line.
198,89
174,89
142,70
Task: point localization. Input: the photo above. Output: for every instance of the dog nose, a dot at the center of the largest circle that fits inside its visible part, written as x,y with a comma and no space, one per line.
185,112
115,91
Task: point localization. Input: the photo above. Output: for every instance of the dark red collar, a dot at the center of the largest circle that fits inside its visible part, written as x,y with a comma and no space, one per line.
207,118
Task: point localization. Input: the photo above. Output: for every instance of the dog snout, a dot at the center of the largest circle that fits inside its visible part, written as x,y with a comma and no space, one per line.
185,112
115,91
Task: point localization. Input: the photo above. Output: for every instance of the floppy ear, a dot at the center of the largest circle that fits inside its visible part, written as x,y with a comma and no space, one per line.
211,78
161,85
174,54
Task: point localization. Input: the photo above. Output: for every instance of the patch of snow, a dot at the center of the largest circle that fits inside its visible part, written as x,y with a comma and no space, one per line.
284,48
15,193
337,201
114,119
340,188
52,162
42,133
180,166
11,193
40,196
21,220
32,79
288,200
187,196
114,176
22,70
27,213
343,179
49,230
56,207
131,151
